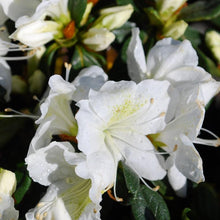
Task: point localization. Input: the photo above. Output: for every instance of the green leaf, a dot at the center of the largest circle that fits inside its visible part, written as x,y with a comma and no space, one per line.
200,10
147,202
23,185
194,36
83,58
205,202
131,179
185,214
208,64
153,16
123,31
77,9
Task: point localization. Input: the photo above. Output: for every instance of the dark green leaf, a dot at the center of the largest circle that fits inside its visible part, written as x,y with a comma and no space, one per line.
48,58
208,64
153,16
200,10
23,185
125,2
77,9
131,179
205,202
194,36
123,31
83,58
185,214
147,202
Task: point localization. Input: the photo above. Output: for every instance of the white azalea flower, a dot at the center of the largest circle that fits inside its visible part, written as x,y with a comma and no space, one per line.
68,195
7,188
35,31
56,113
170,60
112,126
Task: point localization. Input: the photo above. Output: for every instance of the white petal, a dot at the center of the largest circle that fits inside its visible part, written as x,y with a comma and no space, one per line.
7,209
136,62
168,55
36,33
176,179
139,154
92,77
48,164
67,199
188,160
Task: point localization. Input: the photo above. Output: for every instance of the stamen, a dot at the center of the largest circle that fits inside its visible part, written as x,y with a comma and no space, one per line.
151,100
66,137
68,67
115,198
36,98
208,142
19,114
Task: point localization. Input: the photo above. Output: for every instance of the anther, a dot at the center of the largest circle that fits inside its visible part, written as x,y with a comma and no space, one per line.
114,198
68,67
156,188
151,100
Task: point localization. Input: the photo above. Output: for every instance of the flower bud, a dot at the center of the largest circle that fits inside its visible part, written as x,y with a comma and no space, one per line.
175,30
167,7
98,39
114,17
7,182
212,39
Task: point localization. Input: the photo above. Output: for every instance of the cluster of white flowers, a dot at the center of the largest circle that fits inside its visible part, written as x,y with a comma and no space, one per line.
160,112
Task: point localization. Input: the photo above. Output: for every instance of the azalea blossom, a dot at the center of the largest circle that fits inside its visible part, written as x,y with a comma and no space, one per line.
7,188
112,126
67,196
193,88
56,113
170,60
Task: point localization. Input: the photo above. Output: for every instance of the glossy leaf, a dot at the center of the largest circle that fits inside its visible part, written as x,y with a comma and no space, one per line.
200,10
146,203
83,58
131,179
23,185
77,9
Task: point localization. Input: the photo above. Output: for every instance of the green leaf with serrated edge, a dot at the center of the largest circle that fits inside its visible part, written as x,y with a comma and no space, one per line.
200,10
83,58
131,179
146,200
23,185
48,58
77,9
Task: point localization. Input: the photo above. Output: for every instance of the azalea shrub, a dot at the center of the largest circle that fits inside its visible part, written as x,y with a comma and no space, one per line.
109,109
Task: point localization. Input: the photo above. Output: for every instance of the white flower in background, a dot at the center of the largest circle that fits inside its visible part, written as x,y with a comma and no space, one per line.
67,196
7,188
112,126
35,31
14,9
56,113
170,60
